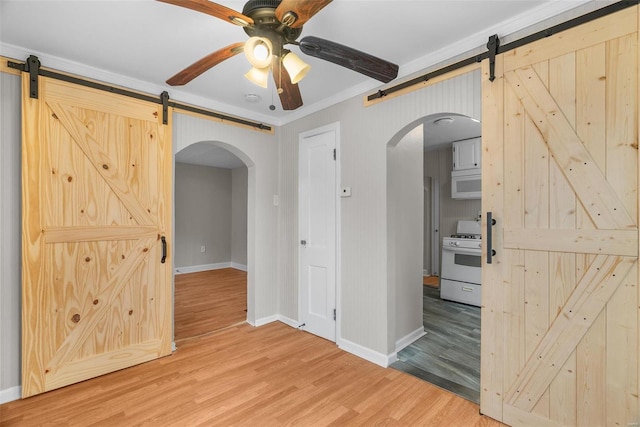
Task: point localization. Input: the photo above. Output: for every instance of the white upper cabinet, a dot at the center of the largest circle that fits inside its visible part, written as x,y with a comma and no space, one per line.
466,154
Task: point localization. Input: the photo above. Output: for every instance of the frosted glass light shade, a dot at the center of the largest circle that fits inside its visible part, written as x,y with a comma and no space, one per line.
259,76
295,66
258,51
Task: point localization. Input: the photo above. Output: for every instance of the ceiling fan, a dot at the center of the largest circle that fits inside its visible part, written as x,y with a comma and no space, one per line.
271,25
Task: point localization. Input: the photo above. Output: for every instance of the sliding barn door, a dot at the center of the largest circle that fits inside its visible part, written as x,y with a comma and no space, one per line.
560,175
96,206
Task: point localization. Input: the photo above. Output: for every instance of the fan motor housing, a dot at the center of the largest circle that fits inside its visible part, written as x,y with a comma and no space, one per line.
266,24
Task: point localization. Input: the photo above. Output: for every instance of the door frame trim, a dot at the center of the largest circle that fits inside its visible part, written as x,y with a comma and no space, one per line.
335,127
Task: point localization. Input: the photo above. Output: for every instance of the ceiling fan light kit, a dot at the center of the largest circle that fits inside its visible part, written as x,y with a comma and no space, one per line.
258,51
295,66
258,76
270,25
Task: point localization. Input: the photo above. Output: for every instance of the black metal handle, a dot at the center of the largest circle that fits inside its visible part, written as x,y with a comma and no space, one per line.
490,223
164,249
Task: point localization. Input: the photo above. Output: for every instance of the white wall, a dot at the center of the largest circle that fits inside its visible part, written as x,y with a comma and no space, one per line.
258,150
365,132
239,196
10,259
405,223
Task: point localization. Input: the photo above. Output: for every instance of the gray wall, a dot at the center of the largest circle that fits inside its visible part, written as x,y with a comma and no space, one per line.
239,187
257,150
405,219
10,232
203,215
365,323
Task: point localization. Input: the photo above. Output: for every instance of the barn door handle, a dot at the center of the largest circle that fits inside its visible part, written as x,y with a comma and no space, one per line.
490,223
164,249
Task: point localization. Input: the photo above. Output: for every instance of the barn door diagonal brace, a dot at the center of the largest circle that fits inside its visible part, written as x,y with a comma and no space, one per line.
492,46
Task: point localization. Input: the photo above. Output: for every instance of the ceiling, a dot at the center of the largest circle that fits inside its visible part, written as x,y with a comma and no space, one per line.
141,43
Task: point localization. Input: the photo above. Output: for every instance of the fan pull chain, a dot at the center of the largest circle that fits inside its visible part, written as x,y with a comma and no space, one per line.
280,90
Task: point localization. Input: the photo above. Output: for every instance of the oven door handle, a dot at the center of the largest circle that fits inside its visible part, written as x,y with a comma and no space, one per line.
490,251
463,251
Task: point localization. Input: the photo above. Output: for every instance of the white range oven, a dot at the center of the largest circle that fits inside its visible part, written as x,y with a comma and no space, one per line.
461,264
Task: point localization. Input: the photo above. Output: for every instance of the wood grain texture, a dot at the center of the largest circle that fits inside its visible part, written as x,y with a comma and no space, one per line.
290,97
448,355
586,178
212,9
605,242
268,376
304,10
562,266
569,117
97,197
492,310
612,26
200,66
208,301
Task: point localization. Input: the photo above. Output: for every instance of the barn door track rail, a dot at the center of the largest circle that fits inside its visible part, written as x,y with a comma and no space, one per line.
33,66
494,48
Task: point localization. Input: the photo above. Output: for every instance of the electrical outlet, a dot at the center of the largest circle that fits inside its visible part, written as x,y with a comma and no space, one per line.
202,249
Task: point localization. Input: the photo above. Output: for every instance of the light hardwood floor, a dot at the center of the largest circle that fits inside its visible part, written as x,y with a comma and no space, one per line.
268,376
208,301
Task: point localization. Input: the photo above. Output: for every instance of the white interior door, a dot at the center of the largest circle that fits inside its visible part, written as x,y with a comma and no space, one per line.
317,231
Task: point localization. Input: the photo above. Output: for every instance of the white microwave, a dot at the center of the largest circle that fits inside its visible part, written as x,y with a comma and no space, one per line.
466,184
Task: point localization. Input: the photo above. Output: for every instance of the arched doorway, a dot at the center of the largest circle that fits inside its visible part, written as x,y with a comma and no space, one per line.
419,164
211,211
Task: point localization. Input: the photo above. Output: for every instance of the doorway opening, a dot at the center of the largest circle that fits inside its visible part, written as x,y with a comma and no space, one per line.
211,198
448,355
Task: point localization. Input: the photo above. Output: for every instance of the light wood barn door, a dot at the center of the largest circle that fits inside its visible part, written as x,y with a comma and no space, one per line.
96,182
560,174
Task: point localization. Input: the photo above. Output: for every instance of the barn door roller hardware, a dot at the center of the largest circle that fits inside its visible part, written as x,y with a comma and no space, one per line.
32,66
493,45
496,49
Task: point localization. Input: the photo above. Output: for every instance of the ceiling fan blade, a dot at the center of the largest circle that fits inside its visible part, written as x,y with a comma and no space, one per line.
290,96
348,57
303,9
213,9
204,64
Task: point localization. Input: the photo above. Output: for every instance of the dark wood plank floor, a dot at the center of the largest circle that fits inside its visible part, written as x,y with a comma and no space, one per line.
449,354
209,300
244,376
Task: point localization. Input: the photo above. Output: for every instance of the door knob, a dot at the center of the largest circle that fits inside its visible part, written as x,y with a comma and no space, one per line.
303,242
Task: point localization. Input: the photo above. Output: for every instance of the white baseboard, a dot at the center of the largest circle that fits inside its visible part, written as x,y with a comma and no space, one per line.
288,321
207,267
204,267
409,338
238,266
265,320
275,318
10,394
368,354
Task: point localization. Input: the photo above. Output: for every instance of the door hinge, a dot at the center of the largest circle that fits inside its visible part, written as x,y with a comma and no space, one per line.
334,314
334,154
